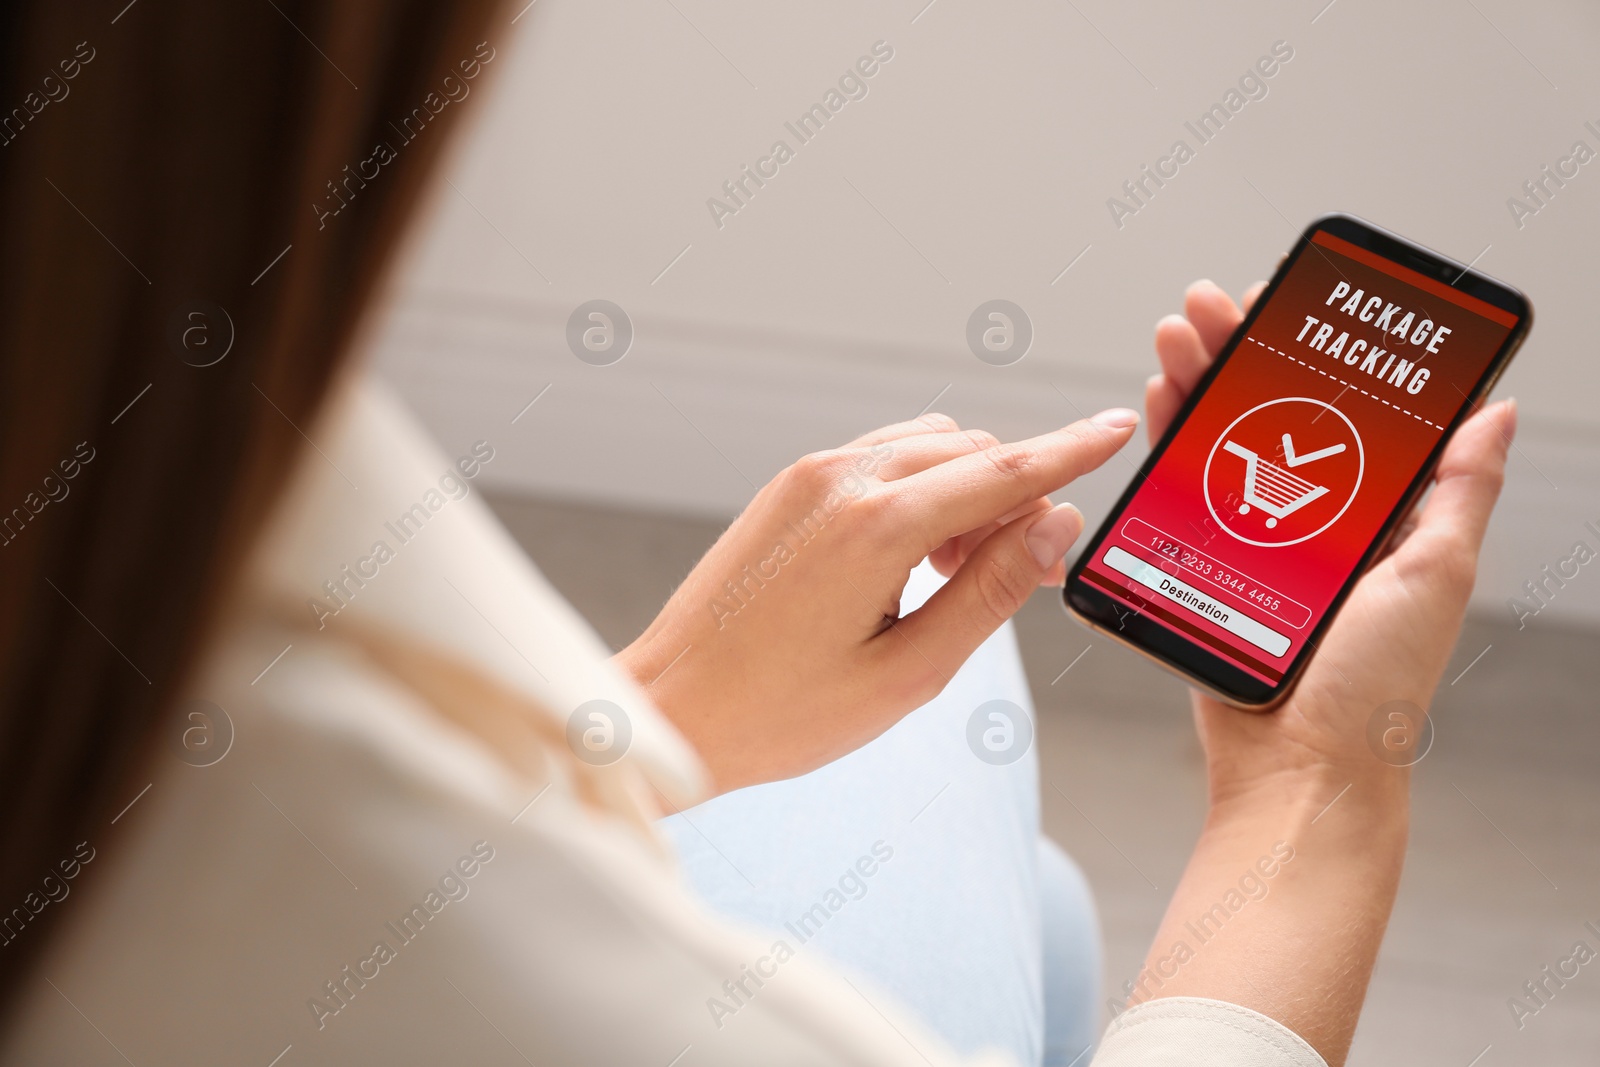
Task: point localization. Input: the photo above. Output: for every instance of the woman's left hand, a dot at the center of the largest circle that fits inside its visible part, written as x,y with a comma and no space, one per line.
784,649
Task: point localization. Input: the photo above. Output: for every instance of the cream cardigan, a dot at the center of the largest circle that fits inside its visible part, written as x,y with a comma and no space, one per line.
382,850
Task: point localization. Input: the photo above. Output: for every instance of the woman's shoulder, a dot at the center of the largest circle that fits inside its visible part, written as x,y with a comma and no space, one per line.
355,879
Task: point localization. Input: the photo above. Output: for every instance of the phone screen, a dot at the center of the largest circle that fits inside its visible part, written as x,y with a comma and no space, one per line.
1243,533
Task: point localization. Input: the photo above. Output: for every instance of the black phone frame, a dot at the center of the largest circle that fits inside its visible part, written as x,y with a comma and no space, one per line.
1188,658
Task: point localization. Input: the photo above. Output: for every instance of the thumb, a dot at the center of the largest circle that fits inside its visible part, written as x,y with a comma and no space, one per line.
990,586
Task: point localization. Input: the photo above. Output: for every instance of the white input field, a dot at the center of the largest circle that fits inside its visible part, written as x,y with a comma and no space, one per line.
1187,596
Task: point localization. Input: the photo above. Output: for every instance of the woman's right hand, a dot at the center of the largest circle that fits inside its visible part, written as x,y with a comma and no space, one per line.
1307,818
1393,637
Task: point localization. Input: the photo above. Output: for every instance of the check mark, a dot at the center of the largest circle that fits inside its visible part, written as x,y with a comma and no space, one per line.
1322,453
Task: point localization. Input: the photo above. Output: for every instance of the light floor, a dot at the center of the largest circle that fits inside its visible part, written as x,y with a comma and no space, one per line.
1504,863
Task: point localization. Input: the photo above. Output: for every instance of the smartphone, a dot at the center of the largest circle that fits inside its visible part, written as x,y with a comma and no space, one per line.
1295,458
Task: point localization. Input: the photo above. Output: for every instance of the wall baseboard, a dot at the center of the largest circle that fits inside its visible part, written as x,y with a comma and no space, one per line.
698,415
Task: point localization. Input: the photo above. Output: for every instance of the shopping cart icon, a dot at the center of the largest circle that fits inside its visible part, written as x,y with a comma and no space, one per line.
1273,489
1292,495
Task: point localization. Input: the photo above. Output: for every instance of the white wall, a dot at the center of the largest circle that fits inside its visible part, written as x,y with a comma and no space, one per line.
978,166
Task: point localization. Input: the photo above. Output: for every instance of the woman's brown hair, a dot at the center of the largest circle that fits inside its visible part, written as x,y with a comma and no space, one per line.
194,214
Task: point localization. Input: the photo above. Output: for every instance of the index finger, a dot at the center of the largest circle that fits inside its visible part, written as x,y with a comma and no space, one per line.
1213,313
1467,484
974,490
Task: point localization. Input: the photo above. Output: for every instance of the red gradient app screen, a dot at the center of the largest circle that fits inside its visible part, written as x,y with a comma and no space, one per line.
1261,507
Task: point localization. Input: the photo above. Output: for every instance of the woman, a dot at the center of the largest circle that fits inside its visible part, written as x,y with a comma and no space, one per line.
413,847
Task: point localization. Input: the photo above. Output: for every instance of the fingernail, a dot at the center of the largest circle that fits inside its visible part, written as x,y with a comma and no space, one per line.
1511,416
1116,418
1050,537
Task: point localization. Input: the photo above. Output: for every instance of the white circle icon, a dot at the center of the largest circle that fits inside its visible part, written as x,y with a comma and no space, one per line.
1283,472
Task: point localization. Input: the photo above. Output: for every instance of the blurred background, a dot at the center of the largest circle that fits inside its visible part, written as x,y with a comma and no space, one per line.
980,164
